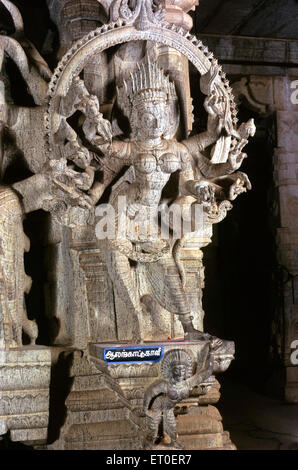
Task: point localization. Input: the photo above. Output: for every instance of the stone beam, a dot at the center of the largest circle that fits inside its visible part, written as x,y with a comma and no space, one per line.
250,55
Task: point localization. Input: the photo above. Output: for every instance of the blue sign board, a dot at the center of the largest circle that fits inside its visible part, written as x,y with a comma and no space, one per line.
133,354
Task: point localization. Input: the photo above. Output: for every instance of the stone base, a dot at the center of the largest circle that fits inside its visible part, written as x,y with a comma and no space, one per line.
24,393
98,415
201,429
134,378
104,406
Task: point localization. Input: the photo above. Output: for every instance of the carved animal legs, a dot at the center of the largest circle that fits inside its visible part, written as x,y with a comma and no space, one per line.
177,298
30,328
173,297
191,334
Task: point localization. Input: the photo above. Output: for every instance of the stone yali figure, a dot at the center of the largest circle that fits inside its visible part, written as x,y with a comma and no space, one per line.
162,396
152,155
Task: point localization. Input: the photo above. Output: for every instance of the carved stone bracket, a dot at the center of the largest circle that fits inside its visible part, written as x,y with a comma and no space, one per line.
144,14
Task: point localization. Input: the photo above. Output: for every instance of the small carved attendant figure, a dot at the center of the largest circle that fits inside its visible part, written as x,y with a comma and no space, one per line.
162,396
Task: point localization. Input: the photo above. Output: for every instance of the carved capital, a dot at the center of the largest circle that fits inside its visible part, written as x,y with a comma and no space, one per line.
144,14
176,12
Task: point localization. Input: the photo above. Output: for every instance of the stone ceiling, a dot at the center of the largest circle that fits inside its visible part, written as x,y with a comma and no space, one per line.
260,18
257,18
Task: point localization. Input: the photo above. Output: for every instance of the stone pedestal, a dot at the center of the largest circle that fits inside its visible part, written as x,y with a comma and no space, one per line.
99,417
201,428
104,406
24,395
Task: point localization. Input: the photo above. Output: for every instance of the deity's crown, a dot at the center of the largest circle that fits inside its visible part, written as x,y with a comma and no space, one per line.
147,83
173,358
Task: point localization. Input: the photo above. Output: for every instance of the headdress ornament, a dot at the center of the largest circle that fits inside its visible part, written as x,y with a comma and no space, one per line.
147,83
173,358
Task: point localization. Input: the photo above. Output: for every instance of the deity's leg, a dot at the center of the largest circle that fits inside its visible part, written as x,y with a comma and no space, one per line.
152,423
120,272
169,425
168,290
167,287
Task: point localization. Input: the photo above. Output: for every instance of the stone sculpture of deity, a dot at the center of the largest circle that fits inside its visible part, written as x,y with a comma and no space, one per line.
151,154
163,395
110,129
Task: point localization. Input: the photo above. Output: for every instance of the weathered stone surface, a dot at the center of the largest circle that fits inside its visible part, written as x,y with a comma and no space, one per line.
286,168
287,128
205,441
248,49
24,393
274,19
293,54
190,425
30,436
143,287
98,415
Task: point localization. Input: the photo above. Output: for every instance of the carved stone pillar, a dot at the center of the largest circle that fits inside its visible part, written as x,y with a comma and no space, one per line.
286,162
134,370
267,95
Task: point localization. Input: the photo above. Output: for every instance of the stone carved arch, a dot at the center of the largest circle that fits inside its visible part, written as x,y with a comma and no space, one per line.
117,33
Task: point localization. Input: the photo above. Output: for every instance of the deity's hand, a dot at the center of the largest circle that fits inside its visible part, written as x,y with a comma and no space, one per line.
82,181
217,107
204,192
82,158
94,123
236,159
69,184
150,413
104,128
213,104
241,185
88,104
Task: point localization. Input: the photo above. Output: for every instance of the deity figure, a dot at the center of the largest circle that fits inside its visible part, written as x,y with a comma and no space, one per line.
140,165
163,395
112,124
151,155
